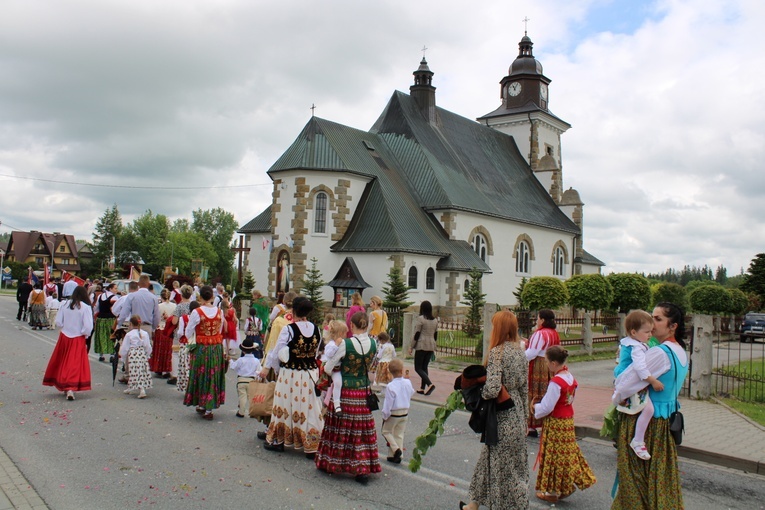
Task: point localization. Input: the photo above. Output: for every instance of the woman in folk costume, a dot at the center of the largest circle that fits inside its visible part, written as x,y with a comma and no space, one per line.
349,439
296,419
38,316
278,322
207,375
161,362
562,467
182,310
69,369
102,341
542,339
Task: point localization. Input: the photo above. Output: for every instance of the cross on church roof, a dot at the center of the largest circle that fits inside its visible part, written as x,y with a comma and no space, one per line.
313,107
526,25
423,50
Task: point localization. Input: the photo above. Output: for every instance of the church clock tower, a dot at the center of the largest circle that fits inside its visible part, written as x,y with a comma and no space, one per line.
525,115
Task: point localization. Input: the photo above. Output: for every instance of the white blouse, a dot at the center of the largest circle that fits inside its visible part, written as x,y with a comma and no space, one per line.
74,323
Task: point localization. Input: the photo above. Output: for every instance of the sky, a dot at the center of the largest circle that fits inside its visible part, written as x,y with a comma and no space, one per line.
195,100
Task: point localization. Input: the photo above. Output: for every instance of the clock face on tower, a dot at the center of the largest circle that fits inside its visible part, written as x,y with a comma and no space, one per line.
543,91
514,89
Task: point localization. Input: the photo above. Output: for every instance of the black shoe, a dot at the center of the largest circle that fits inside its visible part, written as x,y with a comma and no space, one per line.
462,505
362,479
101,358
173,381
273,447
397,454
239,415
430,390
532,433
166,375
261,435
310,456
394,460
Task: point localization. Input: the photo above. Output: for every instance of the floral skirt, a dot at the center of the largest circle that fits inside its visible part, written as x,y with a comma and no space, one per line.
162,352
102,341
184,358
139,376
69,367
539,378
647,484
383,376
296,416
561,463
207,378
38,316
349,440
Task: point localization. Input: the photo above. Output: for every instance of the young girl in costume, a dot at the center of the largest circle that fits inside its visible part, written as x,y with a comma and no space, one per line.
231,331
184,359
562,467
136,349
384,356
632,349
252,327
337,333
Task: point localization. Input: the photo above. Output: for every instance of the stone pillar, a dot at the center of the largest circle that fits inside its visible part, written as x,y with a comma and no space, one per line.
587,332
702,355
488,314
622,327
407,333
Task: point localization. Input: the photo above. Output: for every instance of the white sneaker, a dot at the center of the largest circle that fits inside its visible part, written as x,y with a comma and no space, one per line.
142,394
127,392
640,450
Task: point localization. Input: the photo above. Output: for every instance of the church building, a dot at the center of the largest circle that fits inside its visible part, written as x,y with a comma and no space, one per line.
430,192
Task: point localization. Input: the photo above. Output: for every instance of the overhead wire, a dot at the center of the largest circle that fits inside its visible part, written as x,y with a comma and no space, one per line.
127,186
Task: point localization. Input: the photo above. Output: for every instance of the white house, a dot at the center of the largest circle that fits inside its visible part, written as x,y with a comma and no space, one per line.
429,191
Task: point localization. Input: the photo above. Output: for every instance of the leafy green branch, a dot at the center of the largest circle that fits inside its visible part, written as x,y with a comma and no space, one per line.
435,428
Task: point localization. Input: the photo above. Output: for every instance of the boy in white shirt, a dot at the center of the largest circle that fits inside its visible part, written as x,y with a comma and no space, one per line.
398,395
52,304
247,368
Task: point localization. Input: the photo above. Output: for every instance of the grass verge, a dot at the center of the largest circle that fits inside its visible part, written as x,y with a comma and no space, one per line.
751,410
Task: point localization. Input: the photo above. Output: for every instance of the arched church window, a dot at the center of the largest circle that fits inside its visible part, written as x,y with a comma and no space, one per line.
412,277
522,257
320,213
479,246
430,279
559,262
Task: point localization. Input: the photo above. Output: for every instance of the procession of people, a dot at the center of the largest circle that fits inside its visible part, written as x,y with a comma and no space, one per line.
192,346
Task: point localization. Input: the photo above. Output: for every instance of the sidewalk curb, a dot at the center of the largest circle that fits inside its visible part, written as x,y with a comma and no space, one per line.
686,452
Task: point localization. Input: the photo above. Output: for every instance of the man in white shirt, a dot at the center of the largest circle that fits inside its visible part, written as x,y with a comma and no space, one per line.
69,286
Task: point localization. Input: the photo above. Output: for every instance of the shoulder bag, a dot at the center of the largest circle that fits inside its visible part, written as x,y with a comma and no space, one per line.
676,420
373,402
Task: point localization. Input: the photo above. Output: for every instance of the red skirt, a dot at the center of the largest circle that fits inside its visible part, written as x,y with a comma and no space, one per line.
69,367
349,441
161,352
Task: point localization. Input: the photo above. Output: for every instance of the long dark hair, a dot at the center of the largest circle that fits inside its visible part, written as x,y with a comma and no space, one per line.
79,295
426,310
676,315
548,318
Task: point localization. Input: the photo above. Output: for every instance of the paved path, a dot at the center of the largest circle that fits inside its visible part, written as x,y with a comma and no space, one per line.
714,432
15,491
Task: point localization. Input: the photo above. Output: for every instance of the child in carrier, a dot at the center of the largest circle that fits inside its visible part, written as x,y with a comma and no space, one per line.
632,349
331,386
252,327
136,349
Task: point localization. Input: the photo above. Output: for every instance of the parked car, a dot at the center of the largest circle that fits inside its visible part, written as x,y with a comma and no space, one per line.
753,327
122,286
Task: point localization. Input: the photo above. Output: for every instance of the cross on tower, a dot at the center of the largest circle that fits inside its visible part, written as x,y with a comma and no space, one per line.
423,50
240,250
525,25
313,107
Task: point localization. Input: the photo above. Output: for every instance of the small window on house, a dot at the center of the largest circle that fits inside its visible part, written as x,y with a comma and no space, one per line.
522,258
479,246
559,266
320,213
430,279
412,277
62,249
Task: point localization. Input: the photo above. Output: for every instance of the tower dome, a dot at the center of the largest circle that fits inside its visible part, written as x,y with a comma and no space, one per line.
525,63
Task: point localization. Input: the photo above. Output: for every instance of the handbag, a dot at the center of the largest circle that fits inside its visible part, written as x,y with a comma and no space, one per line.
261,396
676,420
373,402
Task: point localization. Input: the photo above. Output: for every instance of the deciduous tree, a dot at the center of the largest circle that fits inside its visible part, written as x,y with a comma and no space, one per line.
713,299
754,279
544,292
589,292
632,291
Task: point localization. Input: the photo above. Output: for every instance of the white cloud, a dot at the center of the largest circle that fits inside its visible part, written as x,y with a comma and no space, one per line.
665,147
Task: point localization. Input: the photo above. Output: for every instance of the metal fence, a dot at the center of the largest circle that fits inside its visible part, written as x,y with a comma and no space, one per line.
738,369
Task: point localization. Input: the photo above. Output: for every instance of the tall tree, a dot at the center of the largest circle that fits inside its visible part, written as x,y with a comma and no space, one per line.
147,235
589,292
475,300
544,292
312,284
396,291
754,279
218,226
108,230
631,291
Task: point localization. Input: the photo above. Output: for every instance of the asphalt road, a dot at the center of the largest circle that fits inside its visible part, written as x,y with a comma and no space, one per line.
107,450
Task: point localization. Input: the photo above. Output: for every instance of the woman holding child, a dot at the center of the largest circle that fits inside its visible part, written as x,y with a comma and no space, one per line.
349,440
654,483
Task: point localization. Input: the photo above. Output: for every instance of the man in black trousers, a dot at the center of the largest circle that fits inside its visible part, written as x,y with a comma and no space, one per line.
22,296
